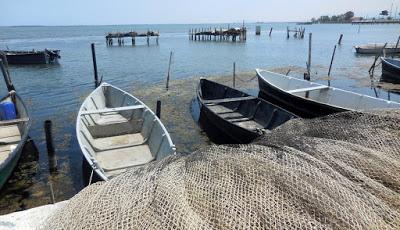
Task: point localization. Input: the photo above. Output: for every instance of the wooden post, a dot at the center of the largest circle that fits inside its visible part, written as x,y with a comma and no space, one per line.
340,39
258,30
158,109
148,40
96,79
397,43
169,69
50,148
309,56
234,74
330,66
270,31
287,31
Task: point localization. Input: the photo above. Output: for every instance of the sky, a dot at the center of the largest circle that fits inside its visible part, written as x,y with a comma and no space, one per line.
112,12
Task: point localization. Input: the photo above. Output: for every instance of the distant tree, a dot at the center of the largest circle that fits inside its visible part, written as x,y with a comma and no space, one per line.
313,20
384,13
335,18
348,15
324,19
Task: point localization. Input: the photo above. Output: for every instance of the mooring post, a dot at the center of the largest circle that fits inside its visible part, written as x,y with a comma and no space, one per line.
158,109
96,79
330,66
234,74
270,31
50,147
340,39
309,56
169,69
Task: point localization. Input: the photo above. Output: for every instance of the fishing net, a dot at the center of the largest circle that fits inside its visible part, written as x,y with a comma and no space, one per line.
336,172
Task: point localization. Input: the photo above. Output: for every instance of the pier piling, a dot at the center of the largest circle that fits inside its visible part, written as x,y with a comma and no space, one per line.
50,147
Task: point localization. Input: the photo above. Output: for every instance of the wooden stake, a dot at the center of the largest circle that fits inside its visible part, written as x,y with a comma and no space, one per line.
50,147
234,74
270,31
96,79
330,66
169,69
309,55
340,39
158,109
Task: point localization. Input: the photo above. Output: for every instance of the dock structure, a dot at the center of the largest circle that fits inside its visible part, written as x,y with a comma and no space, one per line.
297,32
120,37
215,34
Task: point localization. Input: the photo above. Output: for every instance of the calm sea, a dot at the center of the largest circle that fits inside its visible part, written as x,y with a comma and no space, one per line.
56,91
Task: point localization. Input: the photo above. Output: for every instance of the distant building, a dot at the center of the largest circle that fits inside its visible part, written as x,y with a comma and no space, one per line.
356,19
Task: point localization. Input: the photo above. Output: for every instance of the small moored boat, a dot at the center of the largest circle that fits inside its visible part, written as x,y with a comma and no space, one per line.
309,99
116,132
377,48
230,116
14,128
31,57
390,70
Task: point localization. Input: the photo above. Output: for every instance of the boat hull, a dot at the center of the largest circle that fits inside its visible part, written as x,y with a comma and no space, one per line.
390,71
31,57
297,105
377,50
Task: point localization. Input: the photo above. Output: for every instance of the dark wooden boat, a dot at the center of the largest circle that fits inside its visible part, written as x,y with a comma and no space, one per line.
390,70
31,57
309,99
230,116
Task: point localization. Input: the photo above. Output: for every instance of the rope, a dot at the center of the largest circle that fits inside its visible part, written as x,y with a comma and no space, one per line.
251,79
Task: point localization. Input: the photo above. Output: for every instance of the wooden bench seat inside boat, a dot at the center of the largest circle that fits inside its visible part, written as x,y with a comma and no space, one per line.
9,136
235,117
110,116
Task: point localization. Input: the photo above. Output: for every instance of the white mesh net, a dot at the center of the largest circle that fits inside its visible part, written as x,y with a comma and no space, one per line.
341,172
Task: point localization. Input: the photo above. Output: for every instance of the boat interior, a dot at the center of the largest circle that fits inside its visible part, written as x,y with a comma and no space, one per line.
325,94
240,108
12,131
119,132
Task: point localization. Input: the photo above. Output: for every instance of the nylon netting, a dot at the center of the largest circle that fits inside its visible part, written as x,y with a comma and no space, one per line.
336,172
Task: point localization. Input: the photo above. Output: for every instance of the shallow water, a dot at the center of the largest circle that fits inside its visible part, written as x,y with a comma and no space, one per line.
56,91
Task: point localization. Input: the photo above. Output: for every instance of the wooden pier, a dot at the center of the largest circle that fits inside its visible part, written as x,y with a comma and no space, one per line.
120,37
297,33
214,34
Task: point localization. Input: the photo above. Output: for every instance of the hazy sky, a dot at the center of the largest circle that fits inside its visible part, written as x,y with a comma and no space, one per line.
106,12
